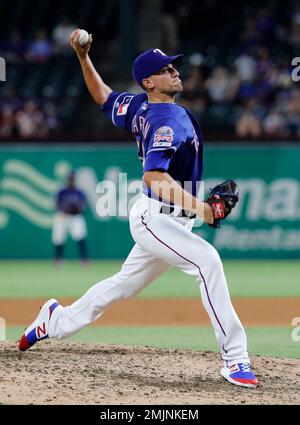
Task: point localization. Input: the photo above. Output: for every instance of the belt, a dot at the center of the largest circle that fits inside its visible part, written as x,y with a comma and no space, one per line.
166,209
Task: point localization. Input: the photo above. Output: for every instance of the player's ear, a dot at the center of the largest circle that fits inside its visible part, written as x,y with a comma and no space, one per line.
147,84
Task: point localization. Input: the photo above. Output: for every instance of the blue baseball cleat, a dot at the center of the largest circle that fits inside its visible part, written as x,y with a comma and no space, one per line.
240,374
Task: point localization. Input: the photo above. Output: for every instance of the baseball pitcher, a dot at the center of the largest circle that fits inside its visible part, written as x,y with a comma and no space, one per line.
170,146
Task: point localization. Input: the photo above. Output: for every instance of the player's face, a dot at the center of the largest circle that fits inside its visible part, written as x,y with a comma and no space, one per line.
167,80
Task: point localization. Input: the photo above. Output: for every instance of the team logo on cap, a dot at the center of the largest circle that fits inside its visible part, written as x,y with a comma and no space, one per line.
163,136
123,106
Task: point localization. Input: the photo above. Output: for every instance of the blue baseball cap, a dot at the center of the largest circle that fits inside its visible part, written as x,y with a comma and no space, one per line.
149,62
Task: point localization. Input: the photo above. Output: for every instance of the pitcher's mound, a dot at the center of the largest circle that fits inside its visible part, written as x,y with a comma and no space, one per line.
55,372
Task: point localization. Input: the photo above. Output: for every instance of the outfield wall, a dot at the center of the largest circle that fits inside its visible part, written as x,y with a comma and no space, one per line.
265,223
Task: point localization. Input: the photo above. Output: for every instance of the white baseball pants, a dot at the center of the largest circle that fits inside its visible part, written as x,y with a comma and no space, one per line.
161,240
65,224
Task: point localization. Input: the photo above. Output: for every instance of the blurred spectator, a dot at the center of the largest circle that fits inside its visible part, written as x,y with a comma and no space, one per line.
221,86
194,96
51,118
274,124
30,121
10,97
249,122
264,61
194,81
40,49
293,113
7,122
60,36
284,80
246,66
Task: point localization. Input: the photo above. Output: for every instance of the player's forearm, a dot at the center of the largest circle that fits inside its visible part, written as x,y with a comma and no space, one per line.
96,86
164,186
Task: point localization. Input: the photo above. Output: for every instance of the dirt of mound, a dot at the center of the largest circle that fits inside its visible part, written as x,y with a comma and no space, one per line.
56,372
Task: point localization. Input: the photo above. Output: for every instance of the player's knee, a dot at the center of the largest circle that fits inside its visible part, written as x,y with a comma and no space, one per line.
122,289
214,259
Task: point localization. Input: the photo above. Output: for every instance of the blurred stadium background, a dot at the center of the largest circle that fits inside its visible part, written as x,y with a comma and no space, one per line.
237,76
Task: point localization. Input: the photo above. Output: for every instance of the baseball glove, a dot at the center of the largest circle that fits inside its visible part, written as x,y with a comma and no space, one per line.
222,198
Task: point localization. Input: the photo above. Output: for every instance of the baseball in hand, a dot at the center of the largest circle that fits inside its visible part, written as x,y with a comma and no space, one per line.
83,37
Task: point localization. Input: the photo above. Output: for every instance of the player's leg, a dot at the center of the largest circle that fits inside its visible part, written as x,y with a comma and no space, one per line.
138,271
78,232
59,234
82,247
59,252
173,243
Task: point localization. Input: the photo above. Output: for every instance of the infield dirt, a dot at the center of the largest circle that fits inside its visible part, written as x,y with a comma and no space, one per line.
56,372
164,311
65,372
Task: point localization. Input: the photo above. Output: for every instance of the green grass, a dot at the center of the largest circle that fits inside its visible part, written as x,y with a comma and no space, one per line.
34,279
273,341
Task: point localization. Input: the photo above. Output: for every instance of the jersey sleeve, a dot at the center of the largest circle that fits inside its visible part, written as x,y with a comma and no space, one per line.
121,108
164,140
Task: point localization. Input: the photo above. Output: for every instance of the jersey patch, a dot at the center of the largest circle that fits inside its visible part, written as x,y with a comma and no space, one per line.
163,137
162,144
122,107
